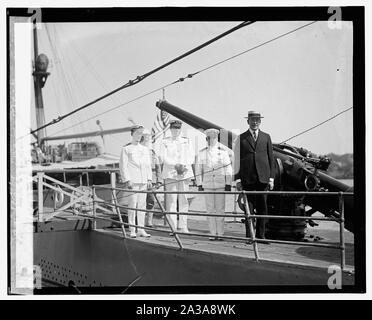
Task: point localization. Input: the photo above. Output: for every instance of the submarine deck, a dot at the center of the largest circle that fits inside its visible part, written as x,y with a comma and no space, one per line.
201,262
322,257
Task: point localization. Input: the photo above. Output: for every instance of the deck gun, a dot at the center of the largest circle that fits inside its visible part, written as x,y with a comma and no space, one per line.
297,169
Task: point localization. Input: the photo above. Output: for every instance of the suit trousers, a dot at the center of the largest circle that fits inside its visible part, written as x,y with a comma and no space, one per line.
171,202
259,202
215,204
137,200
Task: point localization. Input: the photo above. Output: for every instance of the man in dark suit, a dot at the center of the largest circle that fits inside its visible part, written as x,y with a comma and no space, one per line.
254,166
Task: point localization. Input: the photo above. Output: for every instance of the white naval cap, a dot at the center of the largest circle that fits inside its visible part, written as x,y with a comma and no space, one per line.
211,131
135,128
146,131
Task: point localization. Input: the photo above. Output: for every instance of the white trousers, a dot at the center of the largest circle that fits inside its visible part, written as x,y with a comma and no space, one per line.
137,200
215,204
171,202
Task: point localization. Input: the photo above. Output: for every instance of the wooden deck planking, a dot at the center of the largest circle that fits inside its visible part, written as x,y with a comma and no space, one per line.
284,253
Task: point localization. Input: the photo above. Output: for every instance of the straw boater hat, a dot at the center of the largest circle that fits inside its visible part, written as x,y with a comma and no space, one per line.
253,114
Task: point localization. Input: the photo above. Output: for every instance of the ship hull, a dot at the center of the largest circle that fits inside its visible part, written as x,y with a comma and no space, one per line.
96,258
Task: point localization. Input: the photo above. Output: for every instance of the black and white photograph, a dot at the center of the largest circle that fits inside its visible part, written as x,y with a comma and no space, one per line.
186,150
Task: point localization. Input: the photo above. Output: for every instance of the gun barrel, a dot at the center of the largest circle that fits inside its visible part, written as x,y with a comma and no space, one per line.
194,121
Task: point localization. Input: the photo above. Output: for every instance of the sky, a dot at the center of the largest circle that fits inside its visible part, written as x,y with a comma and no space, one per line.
296,81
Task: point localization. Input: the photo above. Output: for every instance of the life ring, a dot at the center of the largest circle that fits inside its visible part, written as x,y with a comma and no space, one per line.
58,197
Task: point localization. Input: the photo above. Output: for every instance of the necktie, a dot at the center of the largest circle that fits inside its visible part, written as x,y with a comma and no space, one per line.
254,135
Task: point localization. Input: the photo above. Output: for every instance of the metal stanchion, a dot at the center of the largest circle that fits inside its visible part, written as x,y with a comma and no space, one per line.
115,201
40,176
167,220
113,185
234,210
94,224
342,228
250,225
165,204
119,216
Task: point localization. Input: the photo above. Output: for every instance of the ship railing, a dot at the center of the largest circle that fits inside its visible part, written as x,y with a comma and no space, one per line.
88,198
77,192
78,197
340,219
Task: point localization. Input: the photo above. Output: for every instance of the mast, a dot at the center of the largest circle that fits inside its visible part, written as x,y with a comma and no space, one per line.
40,75
102,135
97,133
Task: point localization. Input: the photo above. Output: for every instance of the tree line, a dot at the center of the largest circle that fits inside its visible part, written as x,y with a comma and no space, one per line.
342,166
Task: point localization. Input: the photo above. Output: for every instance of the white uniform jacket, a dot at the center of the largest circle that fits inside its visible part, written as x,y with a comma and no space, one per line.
176,151
213,168
135,163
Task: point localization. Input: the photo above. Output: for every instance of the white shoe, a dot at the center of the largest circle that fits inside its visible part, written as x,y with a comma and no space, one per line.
185,230
144,234
132,235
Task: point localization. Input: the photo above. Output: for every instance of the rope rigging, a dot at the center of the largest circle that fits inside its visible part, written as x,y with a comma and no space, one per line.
142,77
65,86
318,125
189,76
114,108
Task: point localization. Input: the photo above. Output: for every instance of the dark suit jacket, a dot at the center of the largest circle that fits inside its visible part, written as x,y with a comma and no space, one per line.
254,161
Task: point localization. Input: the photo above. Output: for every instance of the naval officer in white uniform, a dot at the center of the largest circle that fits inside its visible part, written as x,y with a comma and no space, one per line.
213,171
156,175
136,174
177,155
